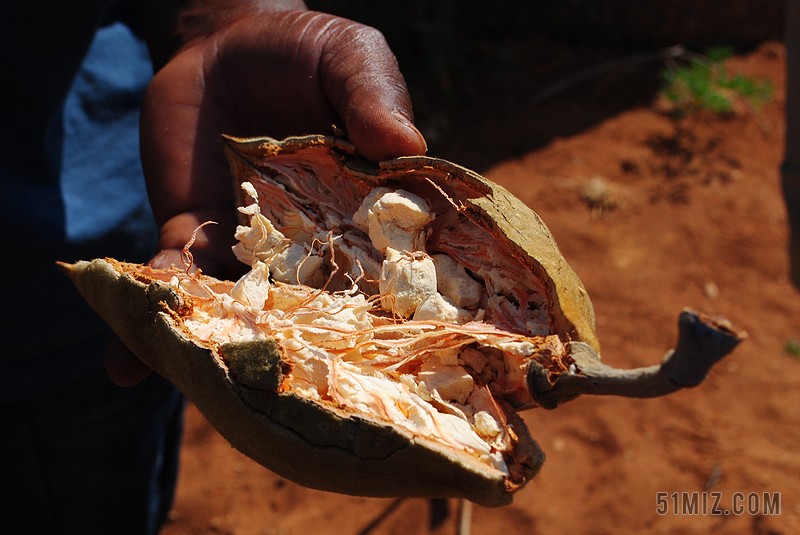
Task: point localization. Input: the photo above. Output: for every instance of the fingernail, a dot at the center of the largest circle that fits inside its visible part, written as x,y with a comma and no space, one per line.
405,120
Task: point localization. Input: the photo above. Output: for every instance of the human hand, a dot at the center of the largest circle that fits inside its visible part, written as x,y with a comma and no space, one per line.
277,74
265,73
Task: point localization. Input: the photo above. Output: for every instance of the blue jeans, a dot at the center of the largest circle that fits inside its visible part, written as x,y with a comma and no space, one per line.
90,458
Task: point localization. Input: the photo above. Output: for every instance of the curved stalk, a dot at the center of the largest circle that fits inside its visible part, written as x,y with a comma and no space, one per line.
702,342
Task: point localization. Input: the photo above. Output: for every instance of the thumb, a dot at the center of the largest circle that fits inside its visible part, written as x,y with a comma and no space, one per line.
363,82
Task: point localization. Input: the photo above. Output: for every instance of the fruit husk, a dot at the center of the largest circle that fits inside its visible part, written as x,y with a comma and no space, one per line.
236,389
236,386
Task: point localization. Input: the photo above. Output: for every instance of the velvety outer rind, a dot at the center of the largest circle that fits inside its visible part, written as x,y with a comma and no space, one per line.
298,439
486,203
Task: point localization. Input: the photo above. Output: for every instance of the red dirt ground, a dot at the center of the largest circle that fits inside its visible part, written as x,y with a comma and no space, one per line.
699,222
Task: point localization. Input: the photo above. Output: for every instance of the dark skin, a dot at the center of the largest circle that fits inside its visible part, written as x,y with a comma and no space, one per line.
249,68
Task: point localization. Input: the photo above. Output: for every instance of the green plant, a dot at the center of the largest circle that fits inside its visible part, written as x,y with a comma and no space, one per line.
792,348
703,84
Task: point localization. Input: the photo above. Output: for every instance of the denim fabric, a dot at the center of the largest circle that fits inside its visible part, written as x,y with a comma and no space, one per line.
90,458
77,453
71,183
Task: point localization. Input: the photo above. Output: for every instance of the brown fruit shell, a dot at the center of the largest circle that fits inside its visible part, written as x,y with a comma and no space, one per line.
314,445
236,385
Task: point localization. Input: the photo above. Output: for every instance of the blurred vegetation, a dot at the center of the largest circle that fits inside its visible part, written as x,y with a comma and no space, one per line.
449,45
792,348
703,84
431,35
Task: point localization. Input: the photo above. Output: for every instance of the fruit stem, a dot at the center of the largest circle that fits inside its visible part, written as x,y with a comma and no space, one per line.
702,342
